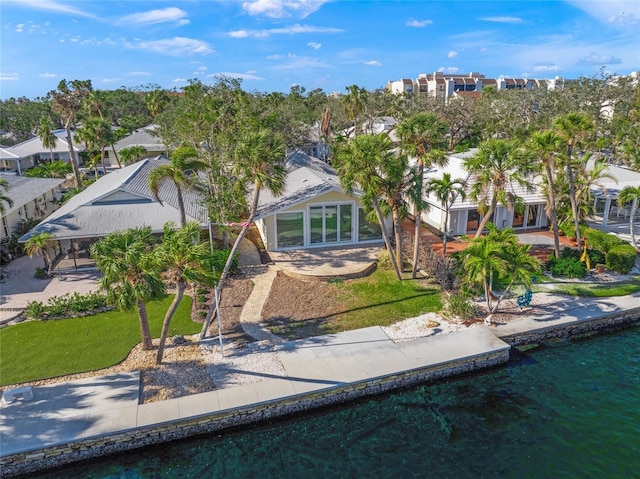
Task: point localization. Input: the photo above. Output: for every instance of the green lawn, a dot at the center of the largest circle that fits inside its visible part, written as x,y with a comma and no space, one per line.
596,290
43,349
380,300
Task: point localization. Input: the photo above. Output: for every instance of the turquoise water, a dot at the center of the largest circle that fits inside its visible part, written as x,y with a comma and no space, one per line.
561,411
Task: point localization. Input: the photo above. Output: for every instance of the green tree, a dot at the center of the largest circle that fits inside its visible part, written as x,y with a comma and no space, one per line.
498,254
40,244
630,194
259,164
130,277
55,169
446,190
573,128
496,165
46,135
359,163
4,199
67,101
422,136
97,134
131,154
545,145
182,171
354,104
183,260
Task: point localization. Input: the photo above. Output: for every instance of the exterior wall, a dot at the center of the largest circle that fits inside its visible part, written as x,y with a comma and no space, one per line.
38,208
268,230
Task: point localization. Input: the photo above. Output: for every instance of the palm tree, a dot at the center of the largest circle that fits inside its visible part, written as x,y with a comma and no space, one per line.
130,278
183,259
446,190
354,104
132,154
4,185
630,194
258,160
46,135
545,145
181,171
55,169
423,136
97,134
358,163
573,128
40,244
496,165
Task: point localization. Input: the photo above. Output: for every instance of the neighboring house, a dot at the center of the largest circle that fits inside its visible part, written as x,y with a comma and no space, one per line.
116,202
144,137
605,195
464,217
32,198
30,153
313,210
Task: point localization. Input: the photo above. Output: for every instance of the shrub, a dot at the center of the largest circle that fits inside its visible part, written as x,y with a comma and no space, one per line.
458,305
568,267
35,310
621,258
567,229
40,274
601,241
220,259
66,305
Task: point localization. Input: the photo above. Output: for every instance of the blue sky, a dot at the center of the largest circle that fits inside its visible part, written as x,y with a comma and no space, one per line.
328,44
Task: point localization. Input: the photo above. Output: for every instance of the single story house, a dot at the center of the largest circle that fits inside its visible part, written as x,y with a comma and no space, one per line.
118,201
32,198
605,194
313,210
464,216
143,137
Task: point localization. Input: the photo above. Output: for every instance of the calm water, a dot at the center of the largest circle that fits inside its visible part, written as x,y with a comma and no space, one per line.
568,410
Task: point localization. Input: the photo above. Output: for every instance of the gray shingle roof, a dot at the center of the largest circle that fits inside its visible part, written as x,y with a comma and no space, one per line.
118,201
143,137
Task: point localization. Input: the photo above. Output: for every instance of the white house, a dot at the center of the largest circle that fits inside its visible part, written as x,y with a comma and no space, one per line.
32,198
144,137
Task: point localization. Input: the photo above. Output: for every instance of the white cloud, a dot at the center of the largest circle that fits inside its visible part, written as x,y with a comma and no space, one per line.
502,19
174,46
110,80
9,76
546,67
612,12
314,45
243,76
449,69
419,23
20,27
282,8
138,74
296,63
292,30
373,63
169,14
179,80
50,6
595,59
47,75
452,54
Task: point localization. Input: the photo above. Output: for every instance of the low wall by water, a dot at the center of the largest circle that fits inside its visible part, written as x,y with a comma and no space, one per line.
49,457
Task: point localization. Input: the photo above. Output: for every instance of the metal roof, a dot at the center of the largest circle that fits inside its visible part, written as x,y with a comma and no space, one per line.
22,190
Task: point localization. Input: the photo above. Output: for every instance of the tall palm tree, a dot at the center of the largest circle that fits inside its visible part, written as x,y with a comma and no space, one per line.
46,135
496,165
423,136
183,259
181,171
130,277
4,199
630,194
358,163
573,128
97,134
258,164
446,190
545,145
41,243
354,104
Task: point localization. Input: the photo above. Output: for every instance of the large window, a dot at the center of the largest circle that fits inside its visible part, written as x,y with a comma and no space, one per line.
290,229
330,223
367,231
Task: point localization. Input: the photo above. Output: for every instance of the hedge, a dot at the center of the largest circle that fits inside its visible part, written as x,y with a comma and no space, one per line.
621,258
601,241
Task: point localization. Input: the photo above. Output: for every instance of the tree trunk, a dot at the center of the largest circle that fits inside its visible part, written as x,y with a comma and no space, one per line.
72,156
385,236
487,216
397,230
116,155
634,207
554,214
572,197
167,319
445,230
48,262
418,224
183,215
104,167
147,344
